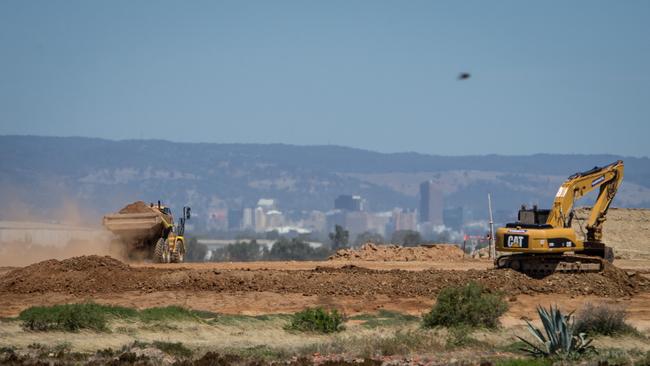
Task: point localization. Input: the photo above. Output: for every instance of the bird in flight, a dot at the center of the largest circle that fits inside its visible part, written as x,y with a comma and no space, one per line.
464,76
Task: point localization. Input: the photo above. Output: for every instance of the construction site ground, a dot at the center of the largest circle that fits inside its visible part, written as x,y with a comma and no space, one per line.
270,290
253,288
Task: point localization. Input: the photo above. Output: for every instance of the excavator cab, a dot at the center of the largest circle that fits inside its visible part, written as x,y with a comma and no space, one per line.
531,218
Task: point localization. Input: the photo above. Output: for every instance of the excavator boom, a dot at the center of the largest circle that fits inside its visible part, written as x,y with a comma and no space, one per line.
607,178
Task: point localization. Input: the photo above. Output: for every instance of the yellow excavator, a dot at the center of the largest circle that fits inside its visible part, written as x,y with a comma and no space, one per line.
542,241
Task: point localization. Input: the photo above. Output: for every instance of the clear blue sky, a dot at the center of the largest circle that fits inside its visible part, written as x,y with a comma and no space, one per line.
547,76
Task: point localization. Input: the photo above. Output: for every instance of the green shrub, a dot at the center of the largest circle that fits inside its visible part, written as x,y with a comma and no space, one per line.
171,312
525,362
644,361
460,336
71,317
602,319
173,348
316,320
295,250
469,305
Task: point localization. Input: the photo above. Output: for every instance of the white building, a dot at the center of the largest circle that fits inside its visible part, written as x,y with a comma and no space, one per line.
248,219
260,219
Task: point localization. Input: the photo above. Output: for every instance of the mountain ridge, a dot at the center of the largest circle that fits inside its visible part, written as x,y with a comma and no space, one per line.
102,175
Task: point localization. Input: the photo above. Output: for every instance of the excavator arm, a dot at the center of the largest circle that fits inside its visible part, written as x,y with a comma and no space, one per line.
607,178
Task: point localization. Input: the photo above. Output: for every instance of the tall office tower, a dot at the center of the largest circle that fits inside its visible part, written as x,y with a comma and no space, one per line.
430,203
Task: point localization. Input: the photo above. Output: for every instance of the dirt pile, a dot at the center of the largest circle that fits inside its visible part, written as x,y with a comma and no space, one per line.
85,274
93,274
627,230
374,252
136,207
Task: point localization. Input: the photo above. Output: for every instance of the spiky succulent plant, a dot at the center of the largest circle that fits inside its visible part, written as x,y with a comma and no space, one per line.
559,339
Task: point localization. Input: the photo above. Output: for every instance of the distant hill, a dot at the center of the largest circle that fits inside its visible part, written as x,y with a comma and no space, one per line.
48,176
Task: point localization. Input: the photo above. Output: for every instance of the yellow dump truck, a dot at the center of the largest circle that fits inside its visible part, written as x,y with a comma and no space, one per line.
149,232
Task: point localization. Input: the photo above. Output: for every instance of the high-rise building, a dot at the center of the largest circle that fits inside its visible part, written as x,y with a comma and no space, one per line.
274,219
356,222
248,219
333,218
349,203
316,221
404,220
453,218
430,203
260,219
235,219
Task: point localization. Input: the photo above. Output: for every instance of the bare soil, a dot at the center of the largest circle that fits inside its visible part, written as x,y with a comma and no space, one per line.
627,230
136,207
374,252
254,291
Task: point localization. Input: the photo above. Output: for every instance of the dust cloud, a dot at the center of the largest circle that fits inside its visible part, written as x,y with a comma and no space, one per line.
18,254
29,235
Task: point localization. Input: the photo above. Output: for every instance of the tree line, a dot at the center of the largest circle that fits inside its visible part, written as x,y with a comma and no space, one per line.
296,248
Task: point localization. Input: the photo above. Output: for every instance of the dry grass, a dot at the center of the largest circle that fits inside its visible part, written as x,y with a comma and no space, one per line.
263,337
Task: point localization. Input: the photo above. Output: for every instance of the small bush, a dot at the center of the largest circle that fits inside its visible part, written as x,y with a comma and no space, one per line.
7,349
644,361
469,305
261,352
460,336
173,348
525,362
71,317
316,320
602,319
400,343
172,312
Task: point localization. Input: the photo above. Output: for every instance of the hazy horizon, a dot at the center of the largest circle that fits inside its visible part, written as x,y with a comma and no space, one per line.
321,145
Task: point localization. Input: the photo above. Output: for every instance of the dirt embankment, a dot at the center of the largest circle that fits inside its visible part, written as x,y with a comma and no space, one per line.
92,274
627,230
386,253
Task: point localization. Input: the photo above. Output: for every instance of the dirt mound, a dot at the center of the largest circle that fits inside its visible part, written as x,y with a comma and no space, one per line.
136,207
85,274
627,230
94,274
373,252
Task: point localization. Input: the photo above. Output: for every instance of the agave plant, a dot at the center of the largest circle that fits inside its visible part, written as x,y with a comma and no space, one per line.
559,340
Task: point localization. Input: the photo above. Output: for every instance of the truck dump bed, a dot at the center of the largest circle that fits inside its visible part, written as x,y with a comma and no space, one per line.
137,222
135,226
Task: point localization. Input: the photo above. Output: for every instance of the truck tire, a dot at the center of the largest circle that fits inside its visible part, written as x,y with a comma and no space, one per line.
178,255
160,251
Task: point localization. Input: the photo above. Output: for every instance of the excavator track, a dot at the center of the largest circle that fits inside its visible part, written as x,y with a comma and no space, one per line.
546,264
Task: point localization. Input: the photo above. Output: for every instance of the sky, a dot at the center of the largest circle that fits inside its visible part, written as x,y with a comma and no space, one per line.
546,76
